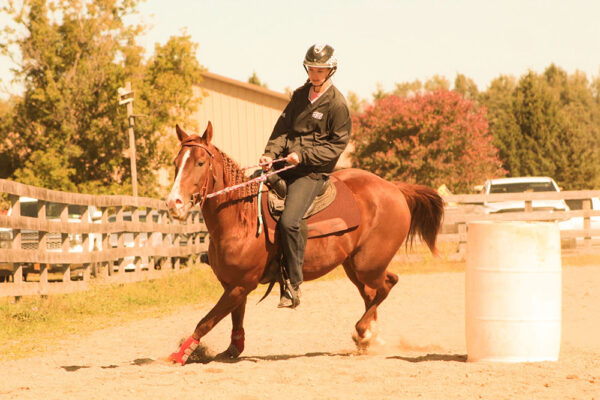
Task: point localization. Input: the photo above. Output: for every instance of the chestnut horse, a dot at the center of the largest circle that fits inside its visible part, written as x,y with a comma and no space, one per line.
239,255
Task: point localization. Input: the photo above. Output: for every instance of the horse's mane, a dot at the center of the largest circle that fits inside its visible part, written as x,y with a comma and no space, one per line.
243,197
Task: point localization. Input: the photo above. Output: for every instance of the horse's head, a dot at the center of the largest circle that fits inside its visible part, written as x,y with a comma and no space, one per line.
193,172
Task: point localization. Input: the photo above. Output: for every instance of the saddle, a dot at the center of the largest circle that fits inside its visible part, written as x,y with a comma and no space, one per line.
333,211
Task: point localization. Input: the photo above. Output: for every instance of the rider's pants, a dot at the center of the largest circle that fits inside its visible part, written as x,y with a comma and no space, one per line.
301,191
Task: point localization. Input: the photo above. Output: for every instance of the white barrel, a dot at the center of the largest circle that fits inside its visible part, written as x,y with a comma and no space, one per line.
513,291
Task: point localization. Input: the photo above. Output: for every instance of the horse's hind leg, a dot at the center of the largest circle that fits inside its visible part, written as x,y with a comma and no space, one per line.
373,289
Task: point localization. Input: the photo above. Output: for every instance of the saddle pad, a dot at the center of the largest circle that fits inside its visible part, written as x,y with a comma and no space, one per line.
321,202
341,215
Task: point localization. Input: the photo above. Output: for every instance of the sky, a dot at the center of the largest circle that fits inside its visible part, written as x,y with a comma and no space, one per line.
378,43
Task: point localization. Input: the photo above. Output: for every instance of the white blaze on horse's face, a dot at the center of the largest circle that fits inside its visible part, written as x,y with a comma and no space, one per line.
176,200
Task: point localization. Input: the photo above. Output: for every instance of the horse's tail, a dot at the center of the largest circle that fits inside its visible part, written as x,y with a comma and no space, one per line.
426,211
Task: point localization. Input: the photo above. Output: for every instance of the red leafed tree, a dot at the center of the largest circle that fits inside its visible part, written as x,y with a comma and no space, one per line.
432,139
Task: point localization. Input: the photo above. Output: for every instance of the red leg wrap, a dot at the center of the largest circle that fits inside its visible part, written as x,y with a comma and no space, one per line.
237,343
185,350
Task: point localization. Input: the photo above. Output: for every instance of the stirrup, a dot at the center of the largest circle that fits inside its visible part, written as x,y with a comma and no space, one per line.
290,295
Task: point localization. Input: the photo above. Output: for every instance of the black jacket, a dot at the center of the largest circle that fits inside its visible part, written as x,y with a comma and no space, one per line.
318,132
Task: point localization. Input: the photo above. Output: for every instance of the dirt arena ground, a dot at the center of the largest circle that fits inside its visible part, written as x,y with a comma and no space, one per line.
308,353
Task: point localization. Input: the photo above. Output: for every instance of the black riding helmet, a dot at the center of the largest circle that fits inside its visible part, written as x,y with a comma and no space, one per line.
320,56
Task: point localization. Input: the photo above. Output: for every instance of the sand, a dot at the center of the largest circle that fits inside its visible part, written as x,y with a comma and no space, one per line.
308,353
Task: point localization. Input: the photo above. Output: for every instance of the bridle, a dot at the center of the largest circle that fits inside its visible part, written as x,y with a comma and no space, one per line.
202,193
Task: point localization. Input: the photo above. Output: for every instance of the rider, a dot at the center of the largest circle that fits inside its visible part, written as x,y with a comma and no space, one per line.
311,133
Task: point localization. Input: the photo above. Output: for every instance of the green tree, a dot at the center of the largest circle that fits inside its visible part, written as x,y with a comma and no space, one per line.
547,124
10,142
498,100
379,92
577,161
356,104
406,89
47,168
437,82
74,55
254,80
466,87
536,112
166,98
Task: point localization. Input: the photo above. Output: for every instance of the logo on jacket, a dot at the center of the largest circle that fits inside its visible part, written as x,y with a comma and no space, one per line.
317,115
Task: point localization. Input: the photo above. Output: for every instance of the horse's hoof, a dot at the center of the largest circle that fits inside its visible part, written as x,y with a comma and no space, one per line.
232,352
186,349
364,341
237,344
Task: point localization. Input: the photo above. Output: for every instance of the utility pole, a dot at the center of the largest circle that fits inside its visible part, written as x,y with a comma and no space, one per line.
126,97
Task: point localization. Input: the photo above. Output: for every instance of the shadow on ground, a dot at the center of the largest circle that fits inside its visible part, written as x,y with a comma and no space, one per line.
432,357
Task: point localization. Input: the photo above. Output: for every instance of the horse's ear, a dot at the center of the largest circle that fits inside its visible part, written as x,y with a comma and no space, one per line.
208,133
181,135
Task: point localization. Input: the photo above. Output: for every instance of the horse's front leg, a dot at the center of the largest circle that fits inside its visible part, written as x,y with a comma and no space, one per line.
236,347
231,300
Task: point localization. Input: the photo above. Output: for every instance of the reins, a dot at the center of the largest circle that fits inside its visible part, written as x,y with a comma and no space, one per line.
202,193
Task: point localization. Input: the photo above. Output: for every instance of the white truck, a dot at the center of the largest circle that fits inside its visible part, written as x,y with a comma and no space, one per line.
522,185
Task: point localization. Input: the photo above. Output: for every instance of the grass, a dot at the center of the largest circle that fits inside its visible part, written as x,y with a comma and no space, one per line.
35,323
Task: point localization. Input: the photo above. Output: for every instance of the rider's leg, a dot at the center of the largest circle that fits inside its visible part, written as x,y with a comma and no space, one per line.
300,194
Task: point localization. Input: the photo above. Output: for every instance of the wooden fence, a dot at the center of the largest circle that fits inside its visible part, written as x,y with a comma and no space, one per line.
461,209
114,239
134,239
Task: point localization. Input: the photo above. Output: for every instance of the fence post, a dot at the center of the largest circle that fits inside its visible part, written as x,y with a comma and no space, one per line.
120,240
462,239
587,223
105,243
43,279
150,237
137,260
17,268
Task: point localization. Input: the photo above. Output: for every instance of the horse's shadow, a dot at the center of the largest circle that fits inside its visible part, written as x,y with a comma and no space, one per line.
204,358
432,357
224,358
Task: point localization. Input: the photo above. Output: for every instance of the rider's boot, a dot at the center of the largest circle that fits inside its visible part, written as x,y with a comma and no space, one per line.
290,295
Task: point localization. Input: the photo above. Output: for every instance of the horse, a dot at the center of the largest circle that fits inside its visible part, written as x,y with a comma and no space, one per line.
239,253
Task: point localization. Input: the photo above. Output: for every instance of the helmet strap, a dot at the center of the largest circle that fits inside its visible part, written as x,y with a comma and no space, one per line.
326,79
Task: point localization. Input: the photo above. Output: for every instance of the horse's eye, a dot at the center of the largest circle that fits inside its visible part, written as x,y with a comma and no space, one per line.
200,163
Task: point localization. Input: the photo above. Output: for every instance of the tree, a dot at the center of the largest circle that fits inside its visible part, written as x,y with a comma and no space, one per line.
406,89
536,113
437,82
255,81
11,148
577,160
74,55
498,100
466,87
379,92
355,103
547,124
433,138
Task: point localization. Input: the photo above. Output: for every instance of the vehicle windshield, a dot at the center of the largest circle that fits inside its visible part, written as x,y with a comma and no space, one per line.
522,187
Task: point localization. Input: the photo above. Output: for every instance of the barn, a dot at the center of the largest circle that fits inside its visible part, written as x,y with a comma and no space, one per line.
242,114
